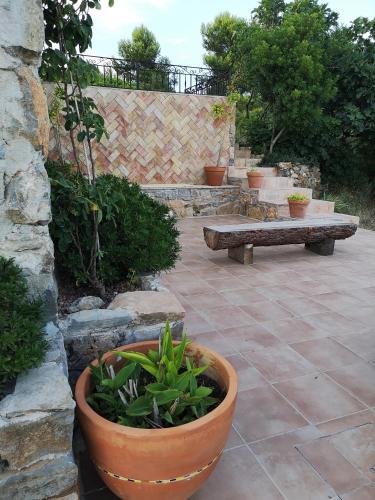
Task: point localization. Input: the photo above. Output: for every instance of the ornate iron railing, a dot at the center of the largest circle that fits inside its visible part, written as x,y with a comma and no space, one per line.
113,72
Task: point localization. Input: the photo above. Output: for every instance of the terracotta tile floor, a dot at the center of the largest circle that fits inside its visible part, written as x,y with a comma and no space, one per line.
300,330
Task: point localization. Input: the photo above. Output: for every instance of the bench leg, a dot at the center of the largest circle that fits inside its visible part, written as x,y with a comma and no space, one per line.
243,254
325,247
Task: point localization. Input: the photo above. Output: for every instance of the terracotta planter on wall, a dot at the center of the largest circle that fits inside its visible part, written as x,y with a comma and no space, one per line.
162,464
255,179
298,209
214,175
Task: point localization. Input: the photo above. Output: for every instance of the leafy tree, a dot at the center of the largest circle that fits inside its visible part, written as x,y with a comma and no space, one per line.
68,32
143,62
269,13
219,38
285,64
142,48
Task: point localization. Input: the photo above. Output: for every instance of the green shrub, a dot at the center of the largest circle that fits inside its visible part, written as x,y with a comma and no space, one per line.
22,343
160,389
136,233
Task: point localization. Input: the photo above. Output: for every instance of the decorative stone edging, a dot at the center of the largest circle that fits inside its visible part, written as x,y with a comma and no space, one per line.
304,176
36,427
131,317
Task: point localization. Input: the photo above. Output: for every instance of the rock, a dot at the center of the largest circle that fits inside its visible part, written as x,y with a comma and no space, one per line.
86,303
96,319
41,389
151,283
45,479
149,307
33,437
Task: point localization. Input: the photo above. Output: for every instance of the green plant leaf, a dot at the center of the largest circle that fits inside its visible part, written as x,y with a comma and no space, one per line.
140,407
165,397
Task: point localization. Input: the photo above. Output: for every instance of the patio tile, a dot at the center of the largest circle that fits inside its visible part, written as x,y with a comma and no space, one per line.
180,277
359,379
363,493
332,466
337,301
293,330
262,413
266,311
318,398
227,317
203,301
238,476
233,440
196,324
294,476
215,341
334,323
242,296
325,354
301,306
250,337
361,344
348,422
213,272
279,363
358,447
248,376
276,292
222,284
191,287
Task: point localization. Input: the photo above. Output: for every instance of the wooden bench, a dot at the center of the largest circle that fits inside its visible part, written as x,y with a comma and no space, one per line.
318,235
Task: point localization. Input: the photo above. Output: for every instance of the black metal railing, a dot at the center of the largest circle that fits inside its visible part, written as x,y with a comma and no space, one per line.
118,73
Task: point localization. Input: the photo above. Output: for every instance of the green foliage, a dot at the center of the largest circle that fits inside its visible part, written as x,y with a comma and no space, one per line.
22,343
153,390
284,63
142,60
219,39
137,234
68,32
359,202
297,197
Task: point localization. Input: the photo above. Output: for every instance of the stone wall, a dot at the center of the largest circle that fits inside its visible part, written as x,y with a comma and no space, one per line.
157,137
304,176
189,200
24,186
36,420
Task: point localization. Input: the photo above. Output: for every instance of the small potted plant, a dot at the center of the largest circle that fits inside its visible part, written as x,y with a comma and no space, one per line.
298,204
156,416
255,178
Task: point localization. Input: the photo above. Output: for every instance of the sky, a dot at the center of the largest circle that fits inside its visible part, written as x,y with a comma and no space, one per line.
176,23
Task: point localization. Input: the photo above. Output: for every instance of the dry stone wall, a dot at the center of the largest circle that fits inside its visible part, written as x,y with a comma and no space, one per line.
24,186
36,419
157,137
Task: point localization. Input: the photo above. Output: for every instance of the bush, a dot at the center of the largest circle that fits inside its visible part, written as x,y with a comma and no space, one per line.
136,233
22,345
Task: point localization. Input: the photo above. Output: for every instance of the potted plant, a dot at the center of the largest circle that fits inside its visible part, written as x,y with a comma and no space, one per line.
298,204
220,111
156,416
255,178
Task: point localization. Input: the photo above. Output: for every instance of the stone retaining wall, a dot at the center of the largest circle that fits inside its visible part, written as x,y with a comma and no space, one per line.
36,420
131,317
303,176
36,427
189,200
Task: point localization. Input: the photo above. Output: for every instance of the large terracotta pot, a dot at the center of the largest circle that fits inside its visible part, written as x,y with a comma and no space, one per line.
132,461
298,209
255,179
214,175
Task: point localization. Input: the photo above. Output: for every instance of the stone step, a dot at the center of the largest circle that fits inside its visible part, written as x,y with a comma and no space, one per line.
321,207
277,183
281,195
246,162
240,172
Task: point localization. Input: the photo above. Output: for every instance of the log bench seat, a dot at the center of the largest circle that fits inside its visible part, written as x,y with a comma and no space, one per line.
318,235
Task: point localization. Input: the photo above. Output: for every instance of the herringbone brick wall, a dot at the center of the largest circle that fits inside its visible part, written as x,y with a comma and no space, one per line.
157,137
